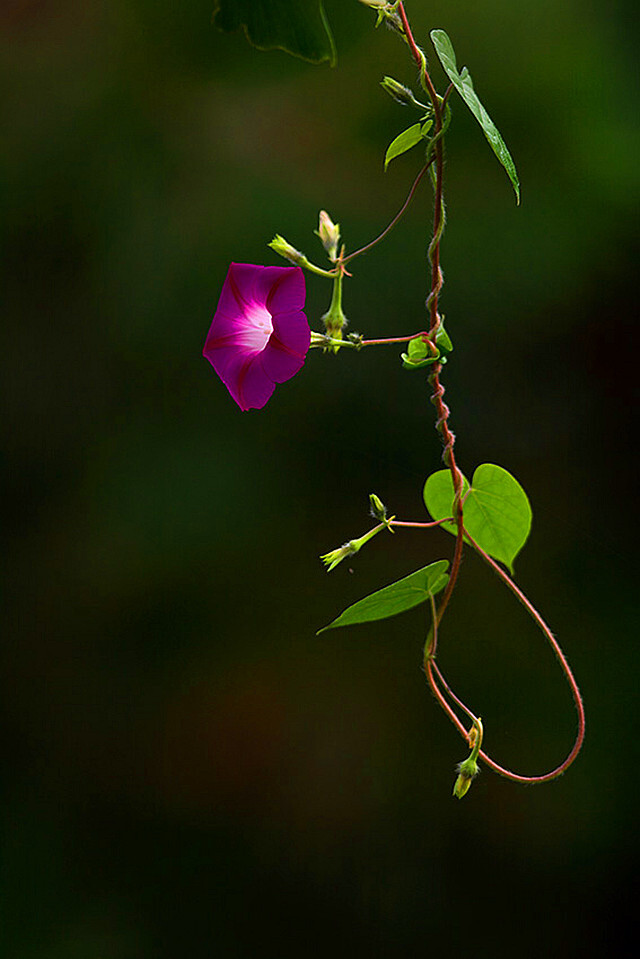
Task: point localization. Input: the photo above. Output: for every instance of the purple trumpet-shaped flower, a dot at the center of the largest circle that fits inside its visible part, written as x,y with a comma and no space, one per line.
259,335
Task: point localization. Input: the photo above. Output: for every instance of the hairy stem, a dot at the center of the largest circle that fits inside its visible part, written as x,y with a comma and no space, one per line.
396,218
392,339
437,522
420,60
324,340
437,280
436,680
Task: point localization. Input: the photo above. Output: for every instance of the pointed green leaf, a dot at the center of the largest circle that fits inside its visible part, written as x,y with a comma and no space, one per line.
396,598
299,27
464,85
403,142
497,513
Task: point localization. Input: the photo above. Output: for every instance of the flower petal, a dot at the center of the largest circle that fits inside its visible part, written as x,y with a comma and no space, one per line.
230,312
243,283
281,289
245,379
287,348
239,313
253,386
292,329
231,302
226,359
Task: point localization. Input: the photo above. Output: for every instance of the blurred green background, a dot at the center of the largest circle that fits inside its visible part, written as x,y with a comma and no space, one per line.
188,771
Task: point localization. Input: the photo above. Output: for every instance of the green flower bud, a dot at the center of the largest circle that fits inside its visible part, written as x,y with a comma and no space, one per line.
378,509
467,772
336,556
401,94
283,248
329,233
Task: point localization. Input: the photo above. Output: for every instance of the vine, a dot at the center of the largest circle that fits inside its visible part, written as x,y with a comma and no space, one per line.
260,337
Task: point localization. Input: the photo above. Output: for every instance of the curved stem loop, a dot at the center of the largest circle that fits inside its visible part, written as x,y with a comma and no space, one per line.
437,680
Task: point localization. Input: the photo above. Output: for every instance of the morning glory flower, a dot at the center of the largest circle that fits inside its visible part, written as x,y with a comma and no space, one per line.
259,335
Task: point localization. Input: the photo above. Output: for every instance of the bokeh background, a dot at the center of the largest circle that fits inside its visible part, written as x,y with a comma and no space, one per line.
187,770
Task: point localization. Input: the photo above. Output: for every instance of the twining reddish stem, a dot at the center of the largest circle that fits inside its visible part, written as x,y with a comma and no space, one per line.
447,94
419,58
398,215
430,668
451,693
434,674
448,456
437,279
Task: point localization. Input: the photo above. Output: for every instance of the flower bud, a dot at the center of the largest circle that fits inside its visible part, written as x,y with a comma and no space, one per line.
336,556
467,772
378,509
283,248
400,93
329,233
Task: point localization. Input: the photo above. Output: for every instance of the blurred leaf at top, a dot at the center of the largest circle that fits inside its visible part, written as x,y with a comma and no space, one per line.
299,27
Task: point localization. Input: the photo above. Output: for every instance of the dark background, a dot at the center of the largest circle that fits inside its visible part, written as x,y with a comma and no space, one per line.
188,771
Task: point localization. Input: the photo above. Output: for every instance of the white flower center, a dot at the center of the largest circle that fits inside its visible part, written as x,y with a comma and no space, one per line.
258,329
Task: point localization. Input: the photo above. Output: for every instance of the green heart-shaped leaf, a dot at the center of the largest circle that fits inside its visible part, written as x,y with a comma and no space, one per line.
497,513
396,598
298,26
438,497
464,85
